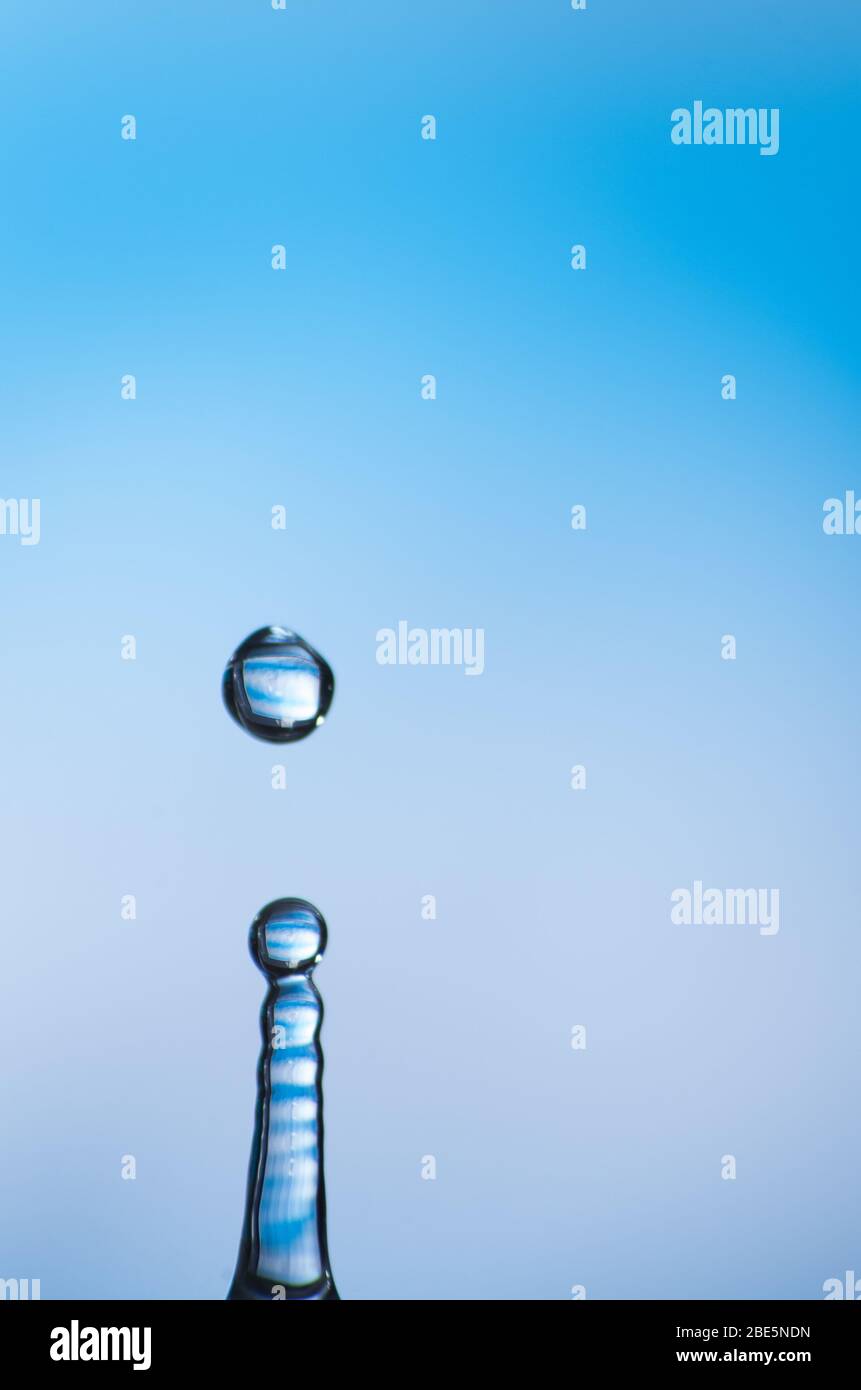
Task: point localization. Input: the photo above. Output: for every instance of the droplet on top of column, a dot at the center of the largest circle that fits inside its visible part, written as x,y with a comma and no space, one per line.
288,937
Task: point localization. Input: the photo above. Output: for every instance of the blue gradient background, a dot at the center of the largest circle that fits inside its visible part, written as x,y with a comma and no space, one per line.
450,1038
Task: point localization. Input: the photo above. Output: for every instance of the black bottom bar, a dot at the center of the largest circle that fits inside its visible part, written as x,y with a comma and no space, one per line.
163,1337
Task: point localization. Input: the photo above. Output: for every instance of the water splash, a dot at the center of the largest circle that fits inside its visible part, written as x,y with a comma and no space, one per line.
276,686
283,1253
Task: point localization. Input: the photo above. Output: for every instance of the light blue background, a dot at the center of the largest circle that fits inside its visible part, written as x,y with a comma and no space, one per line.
255,127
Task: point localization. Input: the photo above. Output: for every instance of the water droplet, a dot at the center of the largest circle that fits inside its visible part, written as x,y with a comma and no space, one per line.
276,686
287,936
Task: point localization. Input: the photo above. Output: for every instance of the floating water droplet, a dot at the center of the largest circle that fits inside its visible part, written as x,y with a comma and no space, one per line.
276,686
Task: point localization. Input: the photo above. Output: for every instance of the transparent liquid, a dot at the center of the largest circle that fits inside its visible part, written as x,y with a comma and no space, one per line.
276,686
283,1253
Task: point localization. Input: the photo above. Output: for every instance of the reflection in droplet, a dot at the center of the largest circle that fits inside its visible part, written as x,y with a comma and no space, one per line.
290,935
276,686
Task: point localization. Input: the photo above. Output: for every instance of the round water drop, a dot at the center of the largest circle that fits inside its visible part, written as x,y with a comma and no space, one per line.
276,686
288,937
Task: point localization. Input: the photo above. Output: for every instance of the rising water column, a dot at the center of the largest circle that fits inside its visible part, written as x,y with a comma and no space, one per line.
283,1253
